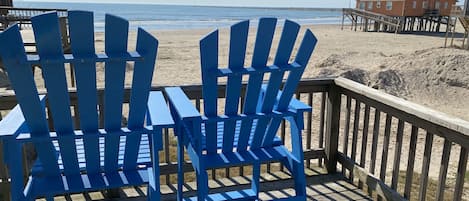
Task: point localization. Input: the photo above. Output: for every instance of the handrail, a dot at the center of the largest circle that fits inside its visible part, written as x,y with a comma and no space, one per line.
412,111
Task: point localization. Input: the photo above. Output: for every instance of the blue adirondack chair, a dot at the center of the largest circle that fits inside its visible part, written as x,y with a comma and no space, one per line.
247,135
87,157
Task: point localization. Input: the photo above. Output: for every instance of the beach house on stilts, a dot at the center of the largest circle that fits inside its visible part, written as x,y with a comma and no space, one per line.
400,15
459,15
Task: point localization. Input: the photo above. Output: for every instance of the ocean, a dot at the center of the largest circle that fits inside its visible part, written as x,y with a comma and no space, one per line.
175,17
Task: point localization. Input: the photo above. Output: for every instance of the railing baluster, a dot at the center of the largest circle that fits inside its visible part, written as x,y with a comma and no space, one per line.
366,121
167,159
461,174
411,162
397,154
321,124
384,157
443,170
427,153
356,124
374,143
309,127
347,127
282,137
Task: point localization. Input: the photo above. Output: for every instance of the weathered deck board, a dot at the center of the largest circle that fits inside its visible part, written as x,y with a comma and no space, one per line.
320,187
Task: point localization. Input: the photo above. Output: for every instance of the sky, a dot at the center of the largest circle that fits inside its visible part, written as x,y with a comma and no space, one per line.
248,3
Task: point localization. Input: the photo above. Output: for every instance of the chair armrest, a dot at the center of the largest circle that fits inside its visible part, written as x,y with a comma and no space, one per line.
299,106
158,111
181,104
14,123
295,105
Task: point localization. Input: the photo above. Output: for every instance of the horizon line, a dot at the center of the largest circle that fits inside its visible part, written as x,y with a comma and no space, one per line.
194,5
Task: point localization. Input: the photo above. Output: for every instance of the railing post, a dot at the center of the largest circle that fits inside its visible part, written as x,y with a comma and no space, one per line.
332,128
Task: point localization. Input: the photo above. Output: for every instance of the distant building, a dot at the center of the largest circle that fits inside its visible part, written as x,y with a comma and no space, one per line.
408,7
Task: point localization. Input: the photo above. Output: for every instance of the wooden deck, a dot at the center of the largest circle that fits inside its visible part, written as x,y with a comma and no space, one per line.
321,186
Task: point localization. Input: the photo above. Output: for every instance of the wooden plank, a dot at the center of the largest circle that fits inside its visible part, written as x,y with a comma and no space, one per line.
209,62
461,175
356,124
302,58
374,141
322,117
411,162
397,154
267,127
427,153
238,40
309,127
147,47
82,40
262,47
287,41
366,121
116,36
443,170
371,181
49,46
348,112
332,129
384,157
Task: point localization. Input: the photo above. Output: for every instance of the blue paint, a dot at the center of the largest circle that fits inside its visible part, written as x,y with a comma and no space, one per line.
87,158
246,137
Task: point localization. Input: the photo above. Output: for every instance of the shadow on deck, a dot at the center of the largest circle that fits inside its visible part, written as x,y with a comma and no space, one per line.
321,186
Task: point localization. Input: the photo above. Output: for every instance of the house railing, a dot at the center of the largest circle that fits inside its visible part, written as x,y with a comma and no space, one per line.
391,148
22,16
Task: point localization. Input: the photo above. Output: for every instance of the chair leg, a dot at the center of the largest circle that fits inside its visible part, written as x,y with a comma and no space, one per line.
202,183
300,179
256,174
15,168
153,190
180,158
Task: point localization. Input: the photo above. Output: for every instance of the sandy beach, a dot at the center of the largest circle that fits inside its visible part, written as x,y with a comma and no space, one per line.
415,67
412,66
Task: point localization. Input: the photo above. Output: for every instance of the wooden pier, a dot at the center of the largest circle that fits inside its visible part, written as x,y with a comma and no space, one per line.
456,16
364,20
370,21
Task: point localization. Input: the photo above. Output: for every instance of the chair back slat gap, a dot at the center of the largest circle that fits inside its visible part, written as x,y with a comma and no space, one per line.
49,46
82,42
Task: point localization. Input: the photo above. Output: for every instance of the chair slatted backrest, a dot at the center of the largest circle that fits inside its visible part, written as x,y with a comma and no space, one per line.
276,96
52,60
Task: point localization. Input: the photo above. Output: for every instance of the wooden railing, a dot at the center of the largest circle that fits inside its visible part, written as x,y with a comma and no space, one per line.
374,139
398,149
22,16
